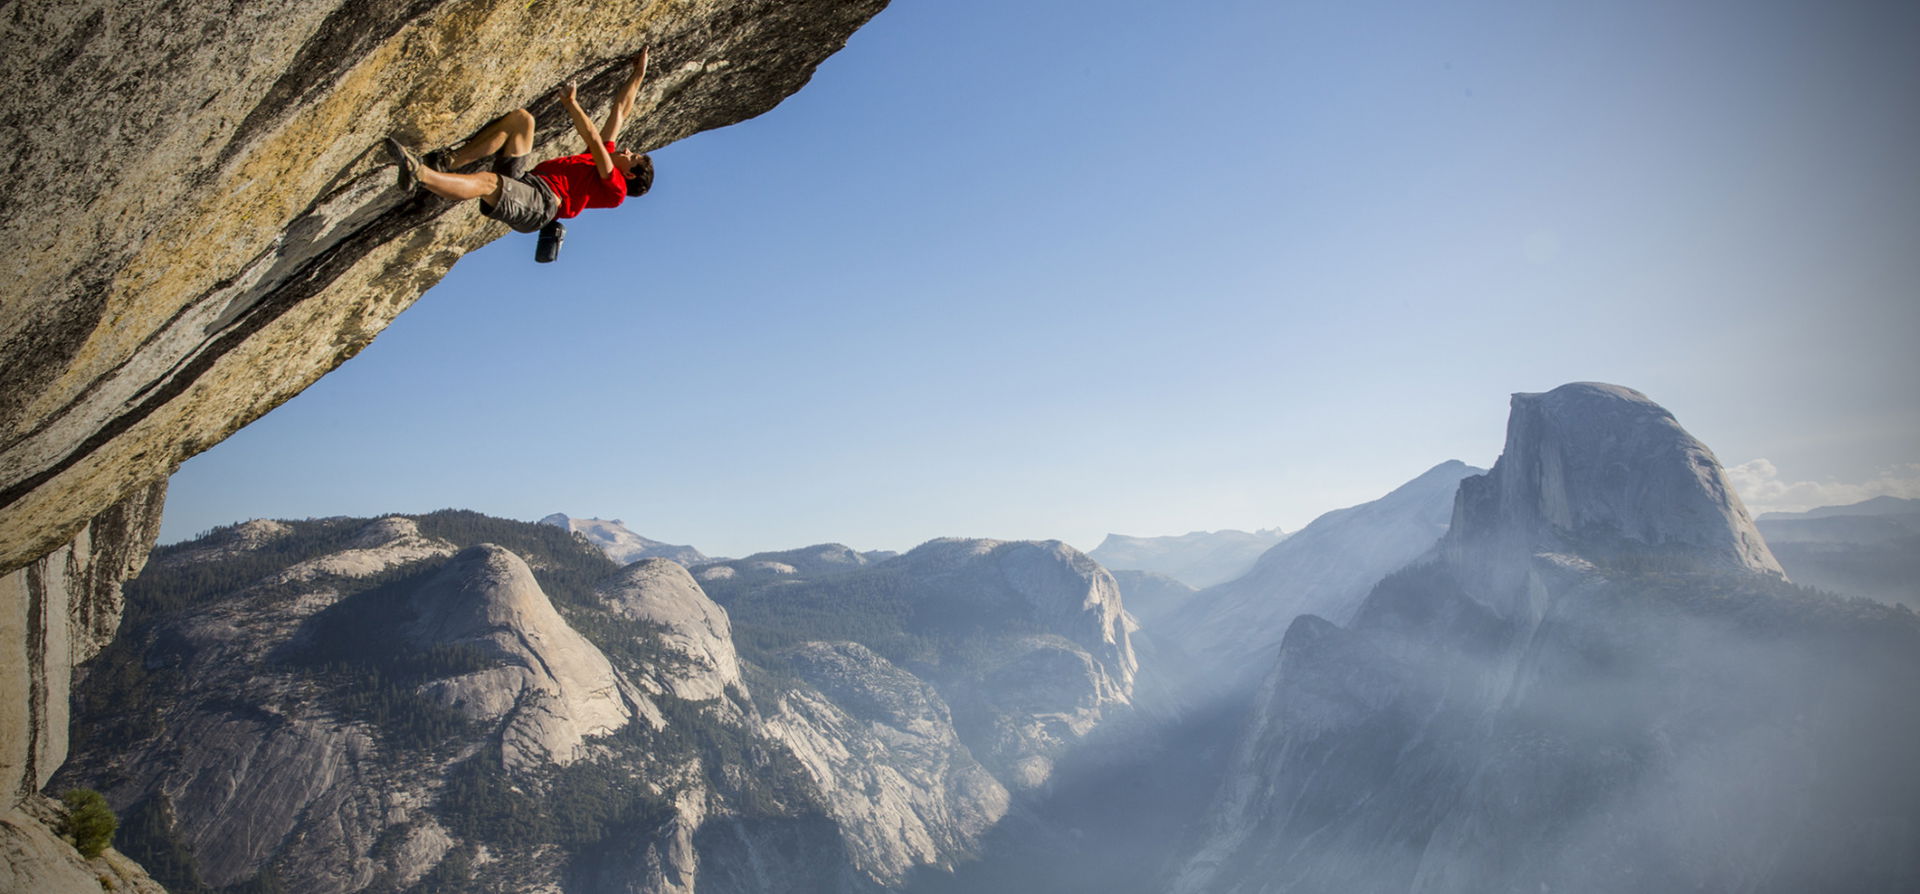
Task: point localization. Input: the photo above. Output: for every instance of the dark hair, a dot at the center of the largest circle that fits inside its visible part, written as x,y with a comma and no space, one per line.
640,177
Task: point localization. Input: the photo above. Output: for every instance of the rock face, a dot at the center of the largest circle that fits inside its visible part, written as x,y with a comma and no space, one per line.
286,767
54,613
33,859
1152,598
695,629
550,685
1324,569
1028,695
1606,468
1026,641
1601,682
881,746
308,710
58,611
622,545
246,240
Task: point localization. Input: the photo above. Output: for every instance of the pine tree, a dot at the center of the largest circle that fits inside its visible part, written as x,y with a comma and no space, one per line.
90,822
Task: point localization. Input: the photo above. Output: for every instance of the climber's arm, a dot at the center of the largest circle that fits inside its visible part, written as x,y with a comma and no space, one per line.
623,101
584,126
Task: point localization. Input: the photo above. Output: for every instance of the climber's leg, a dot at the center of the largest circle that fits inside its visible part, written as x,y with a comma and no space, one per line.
510,135
459,187
506,193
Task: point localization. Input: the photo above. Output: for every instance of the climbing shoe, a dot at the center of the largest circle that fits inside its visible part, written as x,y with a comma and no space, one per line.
439,159
409,165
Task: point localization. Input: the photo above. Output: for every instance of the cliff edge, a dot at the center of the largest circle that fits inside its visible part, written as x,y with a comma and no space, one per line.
199,223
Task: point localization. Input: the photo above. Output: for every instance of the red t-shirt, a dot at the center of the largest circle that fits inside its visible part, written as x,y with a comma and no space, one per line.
577,184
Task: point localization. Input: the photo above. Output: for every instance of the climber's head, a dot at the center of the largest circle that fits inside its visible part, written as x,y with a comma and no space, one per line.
637,169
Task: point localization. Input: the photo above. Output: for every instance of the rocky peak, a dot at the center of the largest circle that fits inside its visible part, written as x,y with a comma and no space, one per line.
253,534
1074,595
1602,683
951,552
821,558
1602,471
620,543
880,745
693,626
378,546
223,542
387,531
550,684
1067,592
806,563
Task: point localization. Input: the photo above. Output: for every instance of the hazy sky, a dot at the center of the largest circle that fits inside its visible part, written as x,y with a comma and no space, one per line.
1049,270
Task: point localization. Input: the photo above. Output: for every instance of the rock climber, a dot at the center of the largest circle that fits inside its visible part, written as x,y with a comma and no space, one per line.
558,188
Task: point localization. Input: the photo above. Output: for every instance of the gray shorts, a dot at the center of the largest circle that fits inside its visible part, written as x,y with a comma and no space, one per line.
526,203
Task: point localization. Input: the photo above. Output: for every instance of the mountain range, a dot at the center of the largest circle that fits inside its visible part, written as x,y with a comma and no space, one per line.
1581,670
451,702
1869,549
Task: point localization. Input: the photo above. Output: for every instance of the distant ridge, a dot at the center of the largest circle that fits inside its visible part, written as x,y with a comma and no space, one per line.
1876,506
622,545
1197,558
1324,569
1869,549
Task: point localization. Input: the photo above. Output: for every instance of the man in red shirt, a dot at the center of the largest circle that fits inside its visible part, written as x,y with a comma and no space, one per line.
526,200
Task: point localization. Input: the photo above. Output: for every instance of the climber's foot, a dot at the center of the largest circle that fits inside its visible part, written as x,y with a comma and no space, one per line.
409,166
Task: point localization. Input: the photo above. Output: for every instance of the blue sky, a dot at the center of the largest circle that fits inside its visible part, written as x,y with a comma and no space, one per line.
1049,270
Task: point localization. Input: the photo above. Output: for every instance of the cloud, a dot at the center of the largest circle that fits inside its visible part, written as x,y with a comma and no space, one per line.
1762,489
